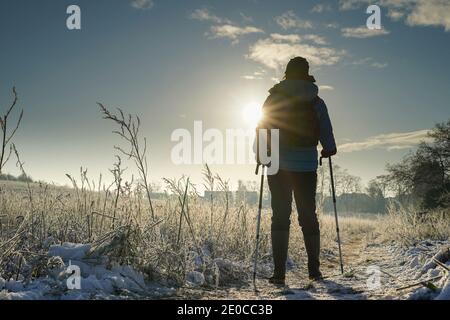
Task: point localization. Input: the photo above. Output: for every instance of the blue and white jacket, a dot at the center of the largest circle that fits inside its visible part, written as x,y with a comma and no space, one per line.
301,159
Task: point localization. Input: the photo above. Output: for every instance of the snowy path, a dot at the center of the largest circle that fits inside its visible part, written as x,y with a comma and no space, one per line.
397,268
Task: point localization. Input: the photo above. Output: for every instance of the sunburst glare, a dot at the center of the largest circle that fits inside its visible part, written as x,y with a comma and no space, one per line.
252,114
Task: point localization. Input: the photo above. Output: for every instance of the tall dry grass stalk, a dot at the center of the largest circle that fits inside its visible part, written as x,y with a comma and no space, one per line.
129,131
7,132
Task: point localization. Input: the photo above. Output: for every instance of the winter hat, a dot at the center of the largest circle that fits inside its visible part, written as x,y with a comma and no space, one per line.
298,68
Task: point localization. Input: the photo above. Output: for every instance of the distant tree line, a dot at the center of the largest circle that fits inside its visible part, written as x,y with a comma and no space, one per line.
356,203
350,193
21,178
421,179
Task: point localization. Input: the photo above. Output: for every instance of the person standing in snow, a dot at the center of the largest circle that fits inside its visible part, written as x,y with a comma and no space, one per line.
295,108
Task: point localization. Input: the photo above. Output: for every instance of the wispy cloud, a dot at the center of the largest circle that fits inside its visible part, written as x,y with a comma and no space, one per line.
391,4
257,75
332,25
315,38
379,65
274,52
286,37
223,27
251,77
321,7
232,32
370,62
142,4
205,15
399,5
389,141
396,15
363,32
295,38
414,12
289,20
431,13
351,4
326,88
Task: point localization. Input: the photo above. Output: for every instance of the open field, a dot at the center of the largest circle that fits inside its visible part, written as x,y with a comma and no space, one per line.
192,247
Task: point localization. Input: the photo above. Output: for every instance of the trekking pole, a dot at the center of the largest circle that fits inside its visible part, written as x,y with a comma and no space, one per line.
258,225
335,212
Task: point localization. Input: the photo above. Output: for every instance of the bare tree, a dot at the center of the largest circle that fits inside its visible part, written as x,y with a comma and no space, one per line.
344,181
6,132
129,131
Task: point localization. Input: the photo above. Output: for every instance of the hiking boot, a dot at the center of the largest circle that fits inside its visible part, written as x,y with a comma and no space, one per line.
277,281
280,243
316,277
312,245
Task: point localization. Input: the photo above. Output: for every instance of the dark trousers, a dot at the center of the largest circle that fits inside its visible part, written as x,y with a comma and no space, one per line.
303,186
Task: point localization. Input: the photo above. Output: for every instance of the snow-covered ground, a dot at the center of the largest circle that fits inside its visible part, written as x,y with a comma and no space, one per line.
419,264
74,272
372,271
383,272
376,271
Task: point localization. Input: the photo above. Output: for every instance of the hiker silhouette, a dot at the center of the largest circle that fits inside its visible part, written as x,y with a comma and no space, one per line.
294,107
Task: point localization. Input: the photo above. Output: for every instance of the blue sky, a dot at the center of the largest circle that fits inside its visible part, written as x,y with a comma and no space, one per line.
173,62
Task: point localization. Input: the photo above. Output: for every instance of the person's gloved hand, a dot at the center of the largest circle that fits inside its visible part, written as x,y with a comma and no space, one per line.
328,153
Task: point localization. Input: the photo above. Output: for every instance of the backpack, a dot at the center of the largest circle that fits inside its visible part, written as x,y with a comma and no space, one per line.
297,121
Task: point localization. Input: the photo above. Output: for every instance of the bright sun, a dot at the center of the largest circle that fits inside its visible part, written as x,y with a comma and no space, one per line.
252,114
